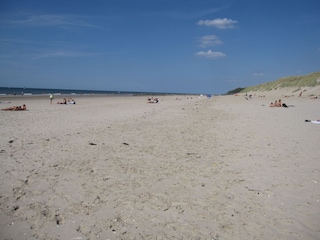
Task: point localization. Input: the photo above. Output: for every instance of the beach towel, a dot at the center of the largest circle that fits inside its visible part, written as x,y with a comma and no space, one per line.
313,121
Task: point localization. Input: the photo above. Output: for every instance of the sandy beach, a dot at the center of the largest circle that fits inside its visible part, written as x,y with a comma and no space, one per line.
117,167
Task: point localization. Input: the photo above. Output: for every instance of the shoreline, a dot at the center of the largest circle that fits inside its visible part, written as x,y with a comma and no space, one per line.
61,96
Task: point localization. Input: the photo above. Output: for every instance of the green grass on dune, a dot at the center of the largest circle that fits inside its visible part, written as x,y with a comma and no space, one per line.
297,82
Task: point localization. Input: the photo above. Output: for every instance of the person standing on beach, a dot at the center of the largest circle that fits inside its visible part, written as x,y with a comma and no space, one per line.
51,98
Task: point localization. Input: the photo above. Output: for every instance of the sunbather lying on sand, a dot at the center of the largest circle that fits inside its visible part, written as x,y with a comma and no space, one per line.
64,101
15,108
153,100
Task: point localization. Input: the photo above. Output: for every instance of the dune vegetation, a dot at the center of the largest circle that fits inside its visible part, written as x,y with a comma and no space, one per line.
294,82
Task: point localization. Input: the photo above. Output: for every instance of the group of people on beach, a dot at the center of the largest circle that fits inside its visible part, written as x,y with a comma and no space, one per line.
64,100
24,107
277,104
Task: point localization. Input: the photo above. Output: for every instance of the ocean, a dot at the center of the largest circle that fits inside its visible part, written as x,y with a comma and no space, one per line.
45,91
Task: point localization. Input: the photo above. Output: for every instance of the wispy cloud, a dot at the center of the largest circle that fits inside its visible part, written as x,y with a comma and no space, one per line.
26,49
209,40
220,23
181,14
258,74
233,80
210,54
19,42
63,54
47,20
199,14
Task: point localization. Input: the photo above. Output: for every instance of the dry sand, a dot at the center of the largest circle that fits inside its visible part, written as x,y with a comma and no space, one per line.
120,168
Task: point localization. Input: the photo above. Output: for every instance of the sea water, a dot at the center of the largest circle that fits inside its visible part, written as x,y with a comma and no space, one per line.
47,91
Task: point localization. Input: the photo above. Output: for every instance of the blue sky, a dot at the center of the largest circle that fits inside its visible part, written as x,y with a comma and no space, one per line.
177,46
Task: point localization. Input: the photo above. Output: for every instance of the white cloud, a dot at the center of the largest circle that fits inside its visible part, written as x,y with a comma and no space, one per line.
211,55
221,23
210,40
